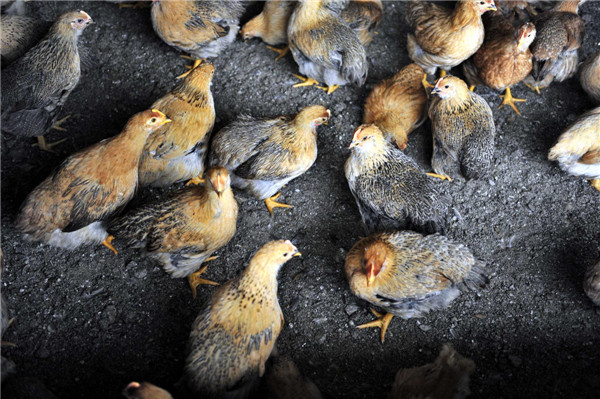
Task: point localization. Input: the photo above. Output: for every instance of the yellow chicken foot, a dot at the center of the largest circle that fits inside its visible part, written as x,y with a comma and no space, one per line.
534,88
190,67
271,203
195,280
41,142
137,4
595,183
382,322
329,89
196,181
426,83
57,125
108,244
443,177
472,88
281,51
305,81
510,100
442,73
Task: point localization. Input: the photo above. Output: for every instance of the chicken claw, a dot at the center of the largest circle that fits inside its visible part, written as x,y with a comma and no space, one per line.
195,280
329,89
443,177
426,83
108,243
271,203
281,51
305,81
58,123
510,100
45,146
442,73
534,88
190,67
472,88
382,321
196,181
595,183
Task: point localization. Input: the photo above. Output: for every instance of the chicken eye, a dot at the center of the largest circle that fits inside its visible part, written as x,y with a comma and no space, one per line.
153,120
79,21
285,255
446,87
482,2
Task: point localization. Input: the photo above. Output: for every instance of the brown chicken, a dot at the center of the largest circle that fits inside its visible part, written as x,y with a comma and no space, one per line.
145,390
236,330
363,17
184,231
447,377
591,283
578,148
442,37
408,274
590,77
271,25
504,59
18,35
263,155
178,151
68,208
463,130
398,105
285,381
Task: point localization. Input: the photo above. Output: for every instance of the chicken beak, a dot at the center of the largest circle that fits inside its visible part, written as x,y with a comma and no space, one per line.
353,144
492,6
435,90
166,121
370,275
297,254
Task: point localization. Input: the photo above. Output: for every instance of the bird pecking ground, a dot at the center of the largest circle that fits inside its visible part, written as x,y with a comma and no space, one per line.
87,322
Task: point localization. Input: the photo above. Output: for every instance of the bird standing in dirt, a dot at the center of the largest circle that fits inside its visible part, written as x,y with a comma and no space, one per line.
389,188
35,87
263,155
463,131
236,330
18,35
183,231
68,208
178,151
590,77
408,274
271,25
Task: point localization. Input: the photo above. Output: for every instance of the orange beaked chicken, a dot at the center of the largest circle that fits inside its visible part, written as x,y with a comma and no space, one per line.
408,274
178,151
236,330
68,208
398,105
271,25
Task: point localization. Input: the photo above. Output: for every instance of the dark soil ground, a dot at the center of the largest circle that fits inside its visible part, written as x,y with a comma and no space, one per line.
87,322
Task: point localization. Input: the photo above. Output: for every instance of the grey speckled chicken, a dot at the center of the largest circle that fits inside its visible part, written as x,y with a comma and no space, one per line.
591,283
590,77
18,35
35,87
389,188
325,48
463,131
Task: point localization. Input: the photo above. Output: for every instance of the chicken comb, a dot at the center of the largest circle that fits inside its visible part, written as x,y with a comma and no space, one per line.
155,111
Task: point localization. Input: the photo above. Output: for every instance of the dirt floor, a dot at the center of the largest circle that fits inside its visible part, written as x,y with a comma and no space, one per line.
87,322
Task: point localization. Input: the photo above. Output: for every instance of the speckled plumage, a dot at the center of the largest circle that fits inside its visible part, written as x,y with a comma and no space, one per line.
236,330
285,381
271,24
390,189
184,230
363,17
463,130
18,35
590,77
262,155
178,151
591,283
201,28
325,47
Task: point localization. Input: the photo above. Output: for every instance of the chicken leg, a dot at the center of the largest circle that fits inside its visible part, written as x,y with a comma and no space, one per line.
108,243
41,141
195,280
382,321
196,181
305,81
535,88
510,100
443,177
281,51
329,89
190,67
595,183
271,203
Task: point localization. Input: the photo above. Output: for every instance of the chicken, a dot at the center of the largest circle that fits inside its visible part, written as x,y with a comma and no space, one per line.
68,208
178,151
408,274
578,148
235,332
35,87
398,105
363,17
18,35
284,381
463,131
325,48
444,38
590,77
184,231
271,25
263,155
559,36
448,377
591,283
145,390
389,188
519,10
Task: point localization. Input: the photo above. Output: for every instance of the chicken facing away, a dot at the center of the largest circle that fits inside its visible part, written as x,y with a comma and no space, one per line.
590,77
591,283
236,330
18,35
35,87
363,17
271,25
263,155
408,274
578,148
68,208
145,390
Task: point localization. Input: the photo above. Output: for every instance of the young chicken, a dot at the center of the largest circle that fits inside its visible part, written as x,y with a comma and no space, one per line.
325,48
271,25
578,148
504,59
67,209
559,36
447,377
263,155
178,151
591,283
35,87
463,131
363,17
408,274
398,105
389,188
145,390
235,332
590,77
18,35
184,231
201,28
285,381
442,37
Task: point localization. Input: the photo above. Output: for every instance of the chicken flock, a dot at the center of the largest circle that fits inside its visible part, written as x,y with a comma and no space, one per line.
406,266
